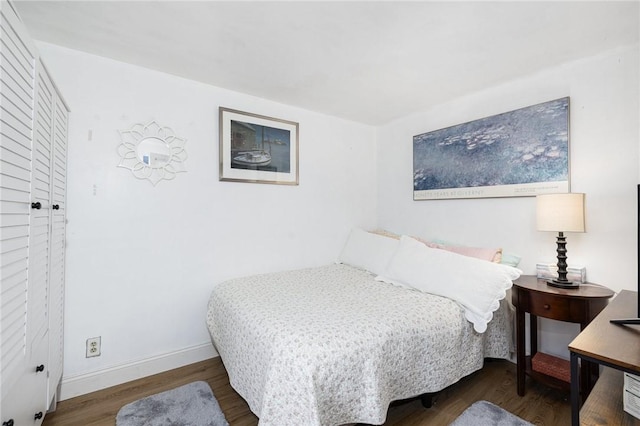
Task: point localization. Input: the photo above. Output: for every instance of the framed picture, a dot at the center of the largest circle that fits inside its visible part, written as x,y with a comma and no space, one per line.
518,153
257,149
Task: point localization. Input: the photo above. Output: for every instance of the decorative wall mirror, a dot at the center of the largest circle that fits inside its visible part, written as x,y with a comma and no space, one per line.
152,152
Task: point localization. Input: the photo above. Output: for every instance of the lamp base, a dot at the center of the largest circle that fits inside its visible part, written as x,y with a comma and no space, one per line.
563,284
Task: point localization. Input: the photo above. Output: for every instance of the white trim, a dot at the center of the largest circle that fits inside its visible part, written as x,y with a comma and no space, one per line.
97,380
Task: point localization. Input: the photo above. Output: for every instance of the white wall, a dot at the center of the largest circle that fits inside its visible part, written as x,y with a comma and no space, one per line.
604,132
142,260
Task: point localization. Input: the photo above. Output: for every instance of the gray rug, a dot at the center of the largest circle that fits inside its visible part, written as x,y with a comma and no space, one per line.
188,405
487,414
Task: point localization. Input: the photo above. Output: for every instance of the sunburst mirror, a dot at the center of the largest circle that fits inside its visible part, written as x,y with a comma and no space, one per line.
152,152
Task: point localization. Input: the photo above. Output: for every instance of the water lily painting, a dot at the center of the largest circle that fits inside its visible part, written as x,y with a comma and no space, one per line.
524,152
258,149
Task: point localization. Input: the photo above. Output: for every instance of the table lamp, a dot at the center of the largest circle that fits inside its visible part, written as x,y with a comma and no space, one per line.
561,213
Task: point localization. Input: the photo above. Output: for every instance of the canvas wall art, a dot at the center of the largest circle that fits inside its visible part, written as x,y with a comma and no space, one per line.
524,152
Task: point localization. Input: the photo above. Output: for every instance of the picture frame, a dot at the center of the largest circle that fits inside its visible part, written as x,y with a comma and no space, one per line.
257,149
524,152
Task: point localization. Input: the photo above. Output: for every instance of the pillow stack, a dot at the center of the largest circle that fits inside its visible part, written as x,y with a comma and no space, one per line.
478,285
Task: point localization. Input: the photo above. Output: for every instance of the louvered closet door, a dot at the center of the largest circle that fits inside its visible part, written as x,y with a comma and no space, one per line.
40,235
57,255
20,382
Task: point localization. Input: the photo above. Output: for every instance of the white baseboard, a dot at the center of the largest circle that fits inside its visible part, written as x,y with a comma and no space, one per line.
102,379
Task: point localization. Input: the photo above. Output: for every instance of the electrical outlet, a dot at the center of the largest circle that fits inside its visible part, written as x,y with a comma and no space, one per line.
93,347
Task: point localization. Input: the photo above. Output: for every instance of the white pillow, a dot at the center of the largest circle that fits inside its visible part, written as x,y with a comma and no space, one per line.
475,284
368,251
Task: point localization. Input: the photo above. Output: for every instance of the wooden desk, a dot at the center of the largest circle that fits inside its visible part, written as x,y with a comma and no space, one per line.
533,295
614,346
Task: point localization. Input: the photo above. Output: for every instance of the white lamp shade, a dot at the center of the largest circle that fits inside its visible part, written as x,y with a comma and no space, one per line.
560,212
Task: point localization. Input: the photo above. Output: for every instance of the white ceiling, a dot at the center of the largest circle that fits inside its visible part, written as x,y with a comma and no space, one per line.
370,62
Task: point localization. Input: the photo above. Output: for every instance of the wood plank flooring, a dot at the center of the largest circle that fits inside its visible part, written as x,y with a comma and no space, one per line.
496,382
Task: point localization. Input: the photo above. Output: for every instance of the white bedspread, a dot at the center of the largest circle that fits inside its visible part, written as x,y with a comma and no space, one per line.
330,345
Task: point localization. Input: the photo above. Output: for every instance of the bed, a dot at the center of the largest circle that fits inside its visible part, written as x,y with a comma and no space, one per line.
336,344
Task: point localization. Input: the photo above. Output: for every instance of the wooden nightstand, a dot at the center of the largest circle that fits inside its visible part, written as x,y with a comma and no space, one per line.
533,295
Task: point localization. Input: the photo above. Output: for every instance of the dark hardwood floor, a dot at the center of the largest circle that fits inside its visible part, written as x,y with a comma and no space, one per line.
496,382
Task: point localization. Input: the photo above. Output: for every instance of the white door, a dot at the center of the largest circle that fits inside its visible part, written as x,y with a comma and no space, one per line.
20,382
57,255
